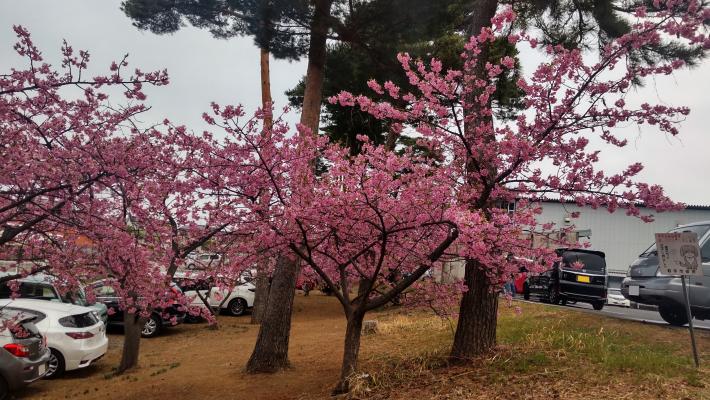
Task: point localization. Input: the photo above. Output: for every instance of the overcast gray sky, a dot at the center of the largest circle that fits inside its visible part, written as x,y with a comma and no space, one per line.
203,69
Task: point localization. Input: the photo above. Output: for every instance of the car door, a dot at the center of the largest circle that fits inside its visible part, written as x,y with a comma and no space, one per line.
700,285
107,295
202,289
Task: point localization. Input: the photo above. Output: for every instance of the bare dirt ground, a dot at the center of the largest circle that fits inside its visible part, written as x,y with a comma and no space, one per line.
543,353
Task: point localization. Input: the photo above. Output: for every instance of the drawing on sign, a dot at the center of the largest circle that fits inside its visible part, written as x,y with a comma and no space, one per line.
690,255
679,253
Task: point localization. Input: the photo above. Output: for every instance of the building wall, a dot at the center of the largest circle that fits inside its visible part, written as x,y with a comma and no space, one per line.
620,237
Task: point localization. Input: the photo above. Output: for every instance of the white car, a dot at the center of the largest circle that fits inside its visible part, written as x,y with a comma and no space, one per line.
615,298
202,261
237,302
75,335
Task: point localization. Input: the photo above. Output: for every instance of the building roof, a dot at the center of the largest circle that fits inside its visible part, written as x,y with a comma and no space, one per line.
687,206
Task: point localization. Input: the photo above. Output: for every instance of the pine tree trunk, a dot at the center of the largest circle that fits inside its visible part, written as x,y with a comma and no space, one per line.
315,74
350,352
478,316
132,326
261,297
271,349
266,101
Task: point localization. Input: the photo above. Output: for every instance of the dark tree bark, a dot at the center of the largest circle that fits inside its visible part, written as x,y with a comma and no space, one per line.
476,328
132,326
315,74
261,297
271,350
350,352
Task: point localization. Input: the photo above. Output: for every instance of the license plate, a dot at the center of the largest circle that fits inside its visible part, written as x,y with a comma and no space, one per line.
633,290
583,278
41,369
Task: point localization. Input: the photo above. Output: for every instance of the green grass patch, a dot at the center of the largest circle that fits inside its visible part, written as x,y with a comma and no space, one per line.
574,338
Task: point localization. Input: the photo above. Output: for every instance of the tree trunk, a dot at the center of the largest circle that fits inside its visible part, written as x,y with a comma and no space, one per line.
261,297
315,74
132,326
350,352
478,315
271,349
266,101
476,328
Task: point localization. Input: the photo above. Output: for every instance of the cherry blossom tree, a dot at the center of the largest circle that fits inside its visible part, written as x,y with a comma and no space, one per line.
366,220
570,101
76,175
57,128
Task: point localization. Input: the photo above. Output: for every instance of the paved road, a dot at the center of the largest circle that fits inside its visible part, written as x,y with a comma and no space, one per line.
631,314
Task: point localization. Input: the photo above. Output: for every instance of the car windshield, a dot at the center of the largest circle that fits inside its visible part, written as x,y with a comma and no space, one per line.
77,297
30,290
587,262
698,229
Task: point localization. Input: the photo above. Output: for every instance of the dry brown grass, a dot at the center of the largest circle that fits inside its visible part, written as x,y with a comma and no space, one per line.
543,353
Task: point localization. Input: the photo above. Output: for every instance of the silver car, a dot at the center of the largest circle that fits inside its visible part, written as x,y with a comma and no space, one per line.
25,353
45,287
646,284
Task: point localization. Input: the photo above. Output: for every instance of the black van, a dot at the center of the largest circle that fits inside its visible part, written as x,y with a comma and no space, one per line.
579,276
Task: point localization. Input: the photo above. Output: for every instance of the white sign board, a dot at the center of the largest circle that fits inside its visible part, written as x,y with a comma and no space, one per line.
679,253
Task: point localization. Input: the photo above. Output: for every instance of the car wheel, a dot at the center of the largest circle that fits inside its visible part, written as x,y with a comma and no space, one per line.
4,389
237,307
526,292
151,328
598,305
55,366
553,296
674,315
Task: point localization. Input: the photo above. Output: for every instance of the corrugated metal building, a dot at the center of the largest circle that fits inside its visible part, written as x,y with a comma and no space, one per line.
621,237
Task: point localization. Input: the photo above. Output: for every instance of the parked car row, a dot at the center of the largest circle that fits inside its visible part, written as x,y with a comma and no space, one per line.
46,331
581,276
45,339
